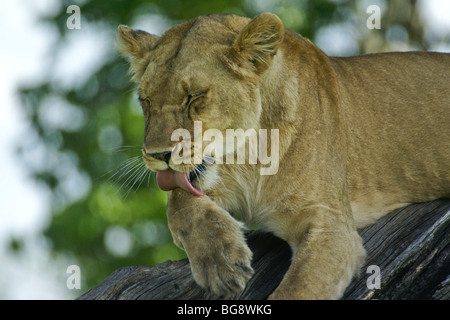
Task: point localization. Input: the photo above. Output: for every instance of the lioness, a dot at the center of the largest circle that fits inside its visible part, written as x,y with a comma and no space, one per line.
358,137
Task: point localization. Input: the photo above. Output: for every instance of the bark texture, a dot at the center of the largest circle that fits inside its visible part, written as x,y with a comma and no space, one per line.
410,246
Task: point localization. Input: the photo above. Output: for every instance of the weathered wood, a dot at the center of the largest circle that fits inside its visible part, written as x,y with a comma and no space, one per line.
410,246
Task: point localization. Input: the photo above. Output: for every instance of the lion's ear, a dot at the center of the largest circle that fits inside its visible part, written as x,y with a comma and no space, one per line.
134,43
258,42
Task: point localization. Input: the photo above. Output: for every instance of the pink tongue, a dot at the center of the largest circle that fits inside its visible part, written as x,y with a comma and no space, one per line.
168,180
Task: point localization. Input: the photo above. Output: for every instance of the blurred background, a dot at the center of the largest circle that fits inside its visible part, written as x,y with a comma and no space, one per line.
73,190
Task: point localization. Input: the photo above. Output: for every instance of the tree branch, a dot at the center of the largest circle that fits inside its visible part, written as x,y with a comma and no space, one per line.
410,246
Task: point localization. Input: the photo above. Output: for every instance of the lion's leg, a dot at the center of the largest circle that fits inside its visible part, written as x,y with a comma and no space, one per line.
326,255
213,240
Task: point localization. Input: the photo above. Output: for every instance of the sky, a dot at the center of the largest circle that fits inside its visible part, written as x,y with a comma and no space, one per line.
24,205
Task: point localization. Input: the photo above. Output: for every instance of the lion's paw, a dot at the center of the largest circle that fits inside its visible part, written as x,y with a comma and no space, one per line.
222,267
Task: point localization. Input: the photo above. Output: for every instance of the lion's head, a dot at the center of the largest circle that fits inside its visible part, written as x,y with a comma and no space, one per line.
207,69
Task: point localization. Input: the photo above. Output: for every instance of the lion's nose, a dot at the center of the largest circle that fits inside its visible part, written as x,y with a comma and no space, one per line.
162,156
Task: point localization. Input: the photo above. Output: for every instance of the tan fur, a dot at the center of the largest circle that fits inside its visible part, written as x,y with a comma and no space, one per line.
358,137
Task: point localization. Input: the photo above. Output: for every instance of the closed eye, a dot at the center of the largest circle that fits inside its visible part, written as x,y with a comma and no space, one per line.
192,97
188,100
145,102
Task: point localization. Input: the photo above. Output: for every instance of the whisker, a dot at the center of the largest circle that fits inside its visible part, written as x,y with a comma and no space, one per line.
139,170
131,90
135,178
198,173
125,148
132,175
209,159
149,177
125,168
119,168
142,177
